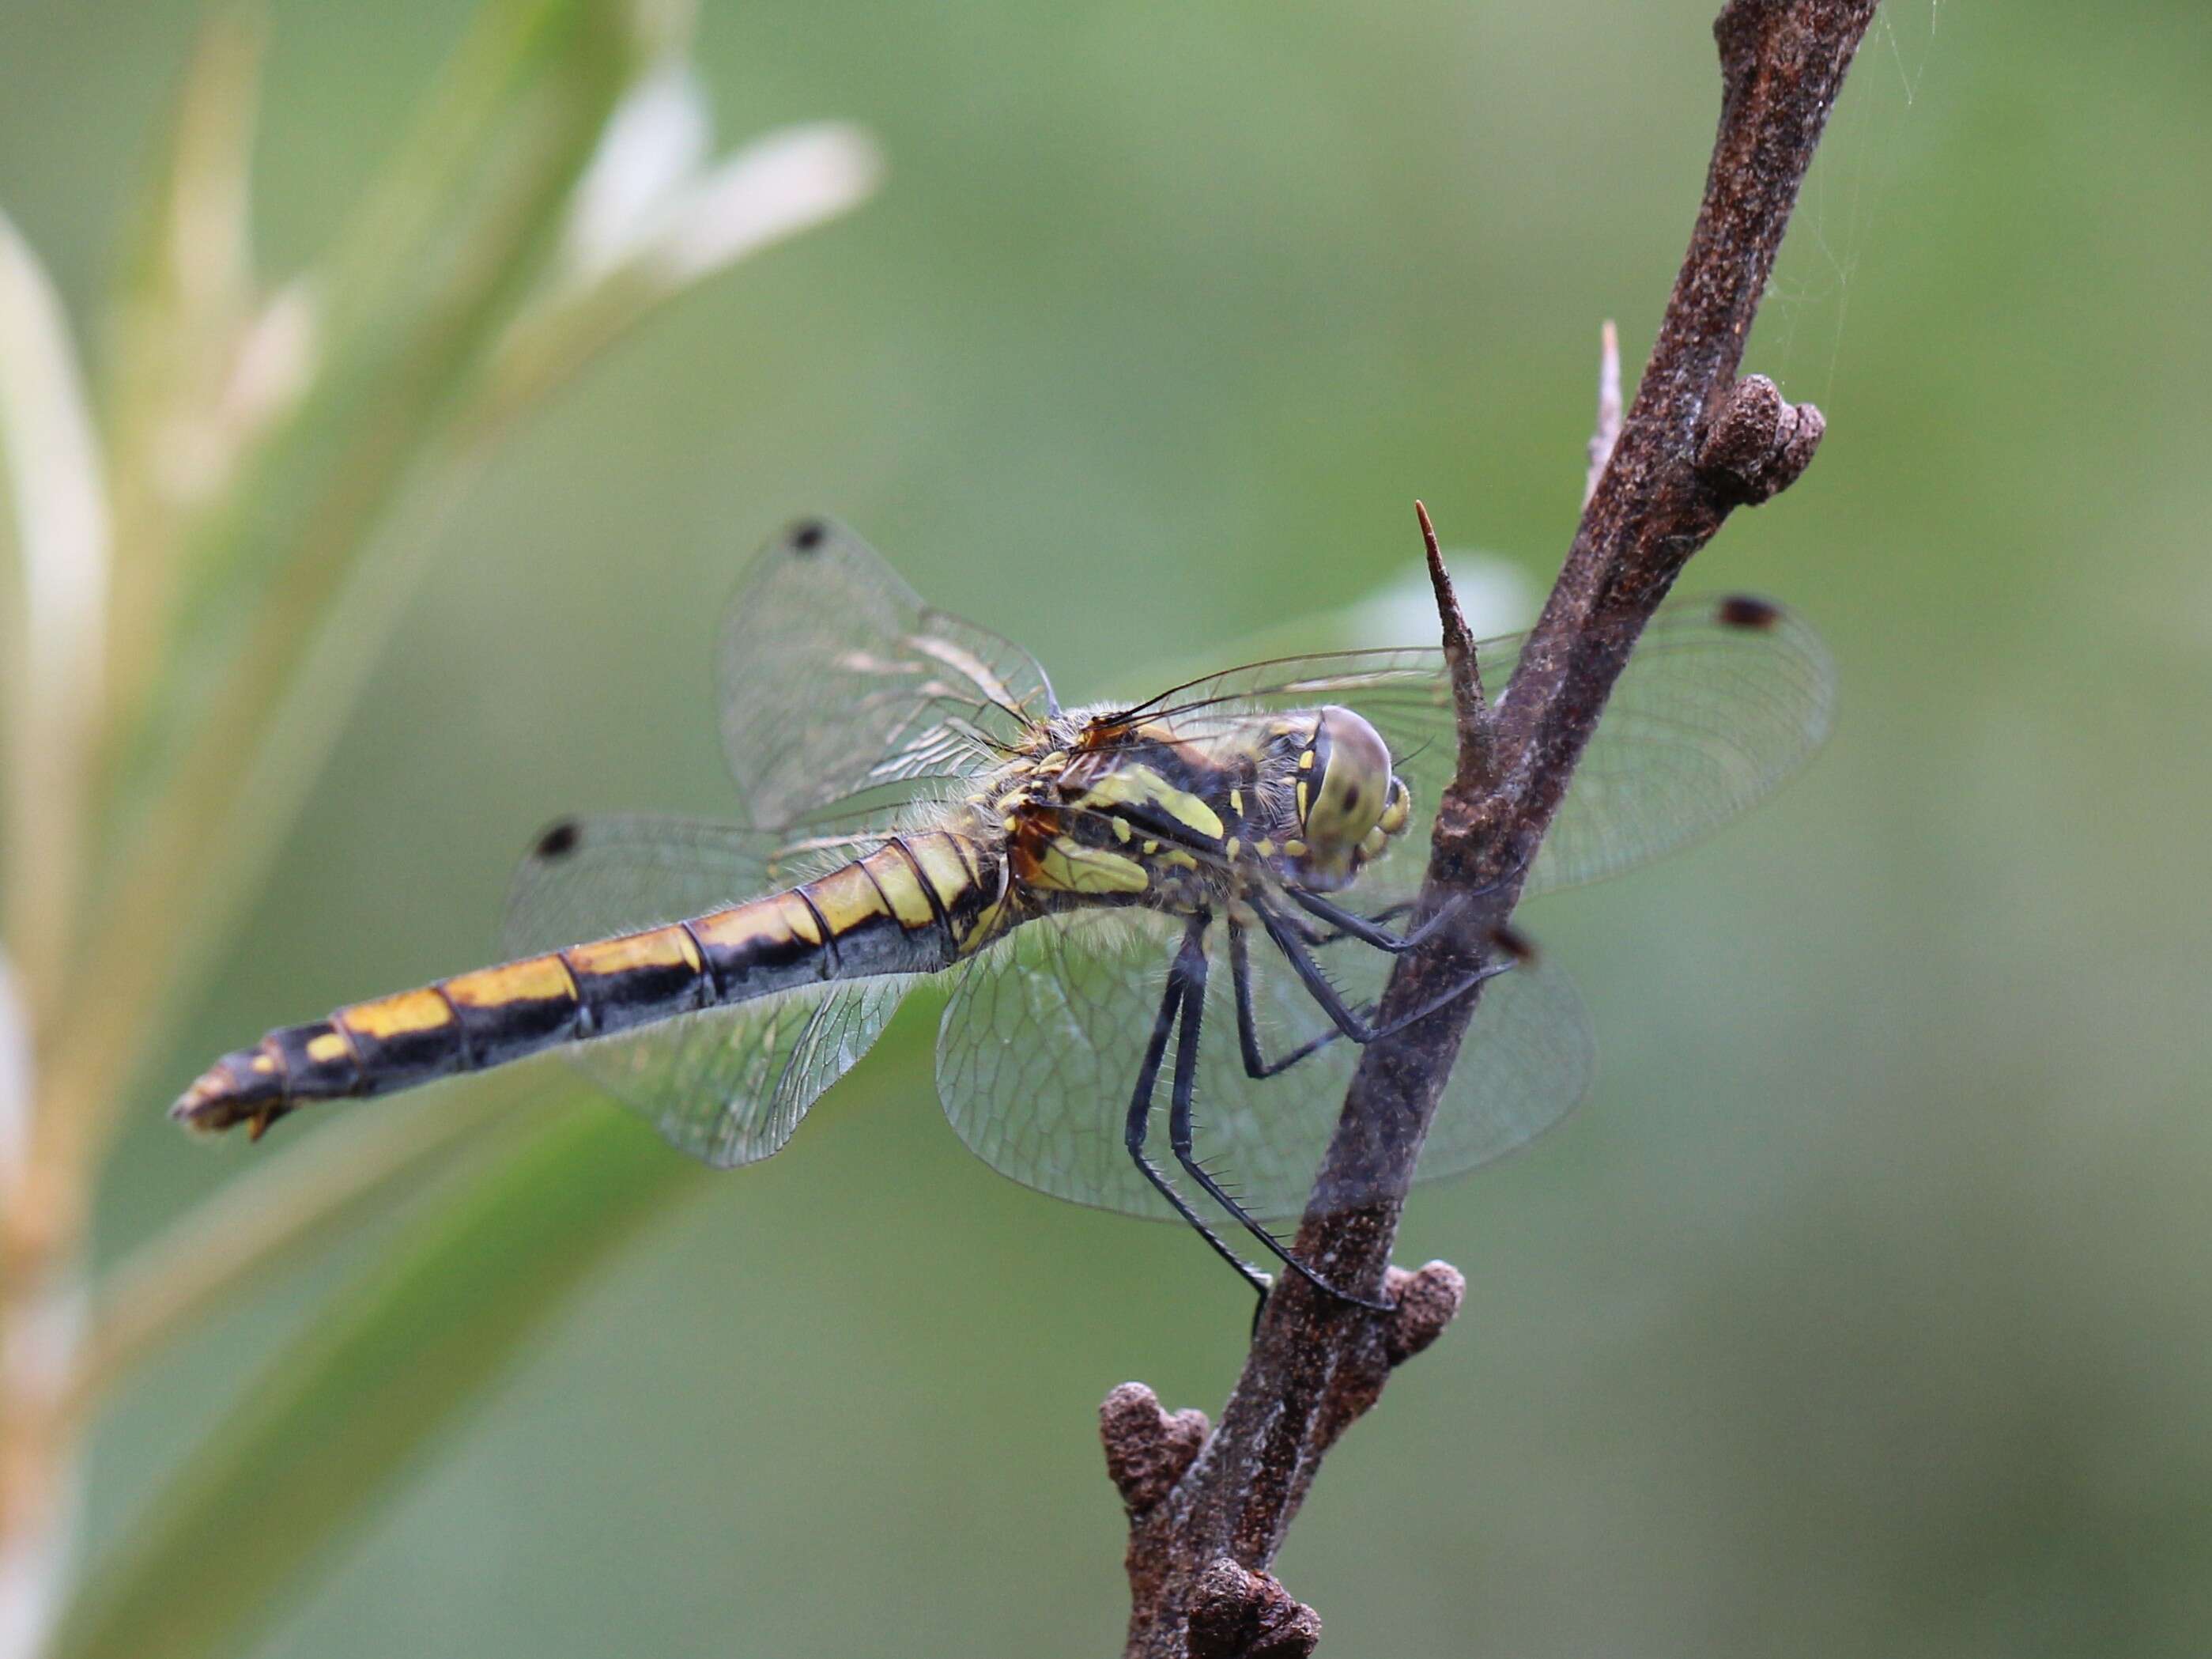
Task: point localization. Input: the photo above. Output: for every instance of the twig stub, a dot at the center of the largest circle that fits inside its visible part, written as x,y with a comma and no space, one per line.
1148,1448
1757,444
1236,1615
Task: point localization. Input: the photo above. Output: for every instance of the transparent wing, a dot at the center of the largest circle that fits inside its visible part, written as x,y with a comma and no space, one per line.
726,1085
1722,700
589,877
836,680
1042,1041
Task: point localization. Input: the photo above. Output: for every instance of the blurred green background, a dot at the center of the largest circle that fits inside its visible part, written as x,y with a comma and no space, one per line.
1864,1306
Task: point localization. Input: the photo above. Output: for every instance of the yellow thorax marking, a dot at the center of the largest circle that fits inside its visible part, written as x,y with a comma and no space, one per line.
1067,865
535,979
397,1016
1141,785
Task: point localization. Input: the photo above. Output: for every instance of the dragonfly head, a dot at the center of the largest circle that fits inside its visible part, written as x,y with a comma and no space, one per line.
1350,805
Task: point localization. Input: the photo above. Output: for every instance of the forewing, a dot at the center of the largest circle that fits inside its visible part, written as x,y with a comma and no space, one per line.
1722,700
837,680
726,1085
1043,1038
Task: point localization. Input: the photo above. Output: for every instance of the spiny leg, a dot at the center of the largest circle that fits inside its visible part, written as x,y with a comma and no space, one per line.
1319,937
1370,929
1350,924
1341,1015
1181,1133
1141,1103
1257,1065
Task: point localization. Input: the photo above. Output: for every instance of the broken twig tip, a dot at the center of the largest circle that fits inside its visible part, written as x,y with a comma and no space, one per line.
1448,610
1477,740
1606,433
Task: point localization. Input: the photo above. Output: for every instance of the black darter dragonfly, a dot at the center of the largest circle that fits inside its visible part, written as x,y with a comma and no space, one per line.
1101,885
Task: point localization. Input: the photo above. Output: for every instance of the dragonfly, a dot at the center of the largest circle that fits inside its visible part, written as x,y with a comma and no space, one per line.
1185,906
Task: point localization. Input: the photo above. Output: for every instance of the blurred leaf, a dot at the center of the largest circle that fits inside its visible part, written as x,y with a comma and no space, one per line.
182,306
15,1079
424,282
51,472
323,1435
292,1203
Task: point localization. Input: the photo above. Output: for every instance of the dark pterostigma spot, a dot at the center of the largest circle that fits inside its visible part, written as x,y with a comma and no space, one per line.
1514,943
559,840
1741,610
808,534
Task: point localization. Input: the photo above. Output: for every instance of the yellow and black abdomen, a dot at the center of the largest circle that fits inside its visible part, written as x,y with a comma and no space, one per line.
911,907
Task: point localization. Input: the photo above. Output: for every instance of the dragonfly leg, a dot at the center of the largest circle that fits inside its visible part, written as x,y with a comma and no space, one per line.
1318,936
1346,1019
1368,930
1182,1132
1257,1065
1176,1004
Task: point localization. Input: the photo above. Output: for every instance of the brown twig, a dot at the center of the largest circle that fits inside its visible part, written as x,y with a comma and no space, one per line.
1696,444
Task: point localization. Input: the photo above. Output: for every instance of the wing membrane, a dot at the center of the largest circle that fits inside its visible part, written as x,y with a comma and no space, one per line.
836,680
1042,1040
726,1085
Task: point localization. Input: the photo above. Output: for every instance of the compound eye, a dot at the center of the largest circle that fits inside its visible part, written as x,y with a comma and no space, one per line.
1398,811
1351,788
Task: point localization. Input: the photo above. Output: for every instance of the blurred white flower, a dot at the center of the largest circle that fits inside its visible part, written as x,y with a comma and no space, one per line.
774,187
651,201
275,361
655,141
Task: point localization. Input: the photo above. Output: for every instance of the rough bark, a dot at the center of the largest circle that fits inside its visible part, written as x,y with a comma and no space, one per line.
1208,1511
